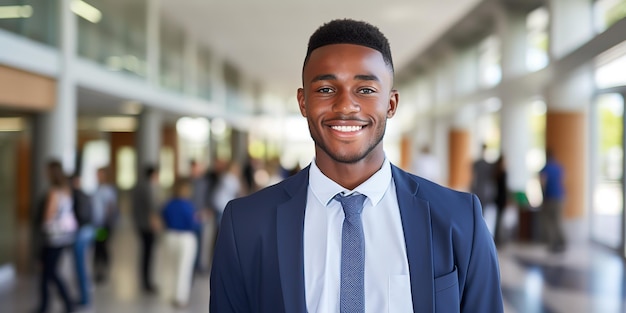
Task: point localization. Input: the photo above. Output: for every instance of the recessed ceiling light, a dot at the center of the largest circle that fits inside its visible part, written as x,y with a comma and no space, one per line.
86,11
16,11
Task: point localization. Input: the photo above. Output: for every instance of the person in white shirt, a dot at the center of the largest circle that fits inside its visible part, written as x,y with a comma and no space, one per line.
351,232
105,211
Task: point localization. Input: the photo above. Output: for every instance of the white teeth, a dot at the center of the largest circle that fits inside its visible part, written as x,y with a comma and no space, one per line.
346,129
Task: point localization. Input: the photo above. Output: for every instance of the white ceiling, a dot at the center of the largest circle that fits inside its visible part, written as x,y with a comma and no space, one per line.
267,39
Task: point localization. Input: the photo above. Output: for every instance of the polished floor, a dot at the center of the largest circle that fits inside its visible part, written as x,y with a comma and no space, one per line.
585,278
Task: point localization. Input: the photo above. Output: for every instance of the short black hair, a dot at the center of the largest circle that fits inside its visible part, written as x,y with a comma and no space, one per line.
149,170
351,32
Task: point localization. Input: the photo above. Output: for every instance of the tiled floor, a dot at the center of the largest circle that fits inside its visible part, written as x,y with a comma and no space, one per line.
585,278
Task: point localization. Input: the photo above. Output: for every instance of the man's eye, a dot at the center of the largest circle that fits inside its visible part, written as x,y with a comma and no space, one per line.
325,90
366,91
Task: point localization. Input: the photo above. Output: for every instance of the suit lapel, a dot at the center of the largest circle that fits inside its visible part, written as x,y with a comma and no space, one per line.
289,231
416,224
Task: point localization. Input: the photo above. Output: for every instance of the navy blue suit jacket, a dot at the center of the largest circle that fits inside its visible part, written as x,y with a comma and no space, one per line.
258,265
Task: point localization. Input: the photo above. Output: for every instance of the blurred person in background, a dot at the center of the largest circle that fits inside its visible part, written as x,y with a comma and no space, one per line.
105,211
201,204
483,184
426,165
228,187
180,243
146,205
58,227
501,198
248,170
551,177
83,211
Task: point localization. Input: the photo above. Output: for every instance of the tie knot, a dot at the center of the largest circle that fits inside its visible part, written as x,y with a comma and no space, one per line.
352,204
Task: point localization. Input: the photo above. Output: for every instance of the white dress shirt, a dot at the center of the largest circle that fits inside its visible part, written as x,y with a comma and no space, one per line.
387,281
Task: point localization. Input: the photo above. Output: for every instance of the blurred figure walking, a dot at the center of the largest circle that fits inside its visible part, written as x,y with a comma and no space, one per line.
229,187
180,243
201,203
83,211
105,215
551,209
483,184
501,198
58,227
146,207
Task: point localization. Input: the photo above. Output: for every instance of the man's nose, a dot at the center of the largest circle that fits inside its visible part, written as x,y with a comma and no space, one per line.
346,103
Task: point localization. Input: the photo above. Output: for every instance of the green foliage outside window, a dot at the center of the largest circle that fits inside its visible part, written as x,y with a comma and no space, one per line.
616,13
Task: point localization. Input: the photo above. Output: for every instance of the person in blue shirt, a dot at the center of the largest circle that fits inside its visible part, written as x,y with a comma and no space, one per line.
553,195
180,246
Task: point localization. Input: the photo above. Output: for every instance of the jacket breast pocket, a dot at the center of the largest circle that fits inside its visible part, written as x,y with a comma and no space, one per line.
447,293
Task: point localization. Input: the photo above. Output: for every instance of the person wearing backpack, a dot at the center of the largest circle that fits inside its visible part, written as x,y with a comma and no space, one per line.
58,228
83,211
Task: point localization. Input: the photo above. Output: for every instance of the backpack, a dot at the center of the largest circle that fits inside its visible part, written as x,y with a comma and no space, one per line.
61,229
83,209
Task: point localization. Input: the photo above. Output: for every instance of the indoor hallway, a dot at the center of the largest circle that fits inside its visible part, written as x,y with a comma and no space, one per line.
584,279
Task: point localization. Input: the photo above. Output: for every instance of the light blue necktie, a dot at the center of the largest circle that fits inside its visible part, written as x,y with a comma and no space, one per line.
352,289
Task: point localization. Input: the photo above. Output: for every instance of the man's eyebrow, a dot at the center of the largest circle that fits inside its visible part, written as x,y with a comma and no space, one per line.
367,77
324,77
333,77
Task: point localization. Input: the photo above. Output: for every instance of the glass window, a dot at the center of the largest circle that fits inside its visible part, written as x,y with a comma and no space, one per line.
117,39
171,63
95,155
34,19
611,66
608,191
204,73
489,62
167,163
232,79
126,168
537,51
607,12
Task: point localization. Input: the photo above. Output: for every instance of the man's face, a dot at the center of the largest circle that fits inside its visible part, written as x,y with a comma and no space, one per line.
347,98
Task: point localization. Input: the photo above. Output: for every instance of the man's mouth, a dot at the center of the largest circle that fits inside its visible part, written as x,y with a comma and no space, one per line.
347,129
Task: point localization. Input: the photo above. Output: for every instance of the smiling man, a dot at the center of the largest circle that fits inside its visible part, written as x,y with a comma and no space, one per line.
352,232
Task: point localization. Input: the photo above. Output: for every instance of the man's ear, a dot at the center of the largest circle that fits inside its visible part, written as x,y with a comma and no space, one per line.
301,105
393,103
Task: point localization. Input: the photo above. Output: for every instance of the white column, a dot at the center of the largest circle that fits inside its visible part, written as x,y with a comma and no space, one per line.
512,31
514,114
467,72
59,126
571,25
153,31
515,142
148,139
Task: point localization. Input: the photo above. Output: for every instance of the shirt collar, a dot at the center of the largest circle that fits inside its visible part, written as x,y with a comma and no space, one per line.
374,188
